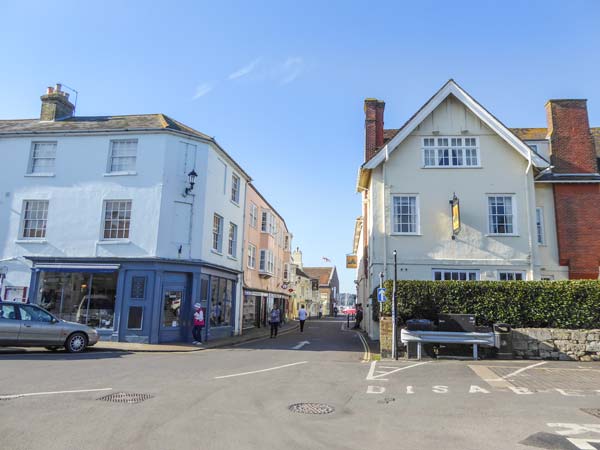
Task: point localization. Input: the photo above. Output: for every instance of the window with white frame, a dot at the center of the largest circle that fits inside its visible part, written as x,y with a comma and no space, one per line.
34,219
539,225
217,233
511,276
235,188
267,261
406,214
501,214
123,154
253,215
117,219
268,224
455,275
450,152
43,156
251,256
232,245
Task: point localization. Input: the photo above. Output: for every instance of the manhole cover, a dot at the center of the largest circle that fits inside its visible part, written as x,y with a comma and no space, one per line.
593,411
125,397
311,408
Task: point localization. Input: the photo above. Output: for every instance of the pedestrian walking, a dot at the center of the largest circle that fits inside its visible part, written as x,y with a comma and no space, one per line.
359,316
198,323
274,320
302,314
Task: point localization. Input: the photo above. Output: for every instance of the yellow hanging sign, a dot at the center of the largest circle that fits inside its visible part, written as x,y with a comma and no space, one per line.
455,203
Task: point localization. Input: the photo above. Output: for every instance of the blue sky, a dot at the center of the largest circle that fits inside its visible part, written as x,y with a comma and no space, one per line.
281,84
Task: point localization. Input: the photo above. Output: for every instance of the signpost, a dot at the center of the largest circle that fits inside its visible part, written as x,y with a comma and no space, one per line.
381,295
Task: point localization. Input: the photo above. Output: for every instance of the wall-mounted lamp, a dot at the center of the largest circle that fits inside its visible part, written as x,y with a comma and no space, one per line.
191,181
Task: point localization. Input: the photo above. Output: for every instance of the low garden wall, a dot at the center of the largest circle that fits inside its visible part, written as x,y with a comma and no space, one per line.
555,343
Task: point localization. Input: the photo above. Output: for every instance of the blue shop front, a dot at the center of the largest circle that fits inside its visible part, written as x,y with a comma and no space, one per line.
137,300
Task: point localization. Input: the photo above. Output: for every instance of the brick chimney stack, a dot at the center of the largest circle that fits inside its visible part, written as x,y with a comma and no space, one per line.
56,105
577,217
571,145
373,126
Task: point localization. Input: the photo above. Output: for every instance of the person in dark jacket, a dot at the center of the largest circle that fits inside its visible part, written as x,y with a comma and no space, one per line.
274,319
359,316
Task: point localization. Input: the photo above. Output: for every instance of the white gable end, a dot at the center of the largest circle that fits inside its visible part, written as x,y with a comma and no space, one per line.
452,89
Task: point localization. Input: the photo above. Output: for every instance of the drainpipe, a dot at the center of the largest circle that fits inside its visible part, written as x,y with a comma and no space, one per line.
529,221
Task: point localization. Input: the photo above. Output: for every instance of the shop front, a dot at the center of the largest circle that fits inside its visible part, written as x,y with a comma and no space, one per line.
144,301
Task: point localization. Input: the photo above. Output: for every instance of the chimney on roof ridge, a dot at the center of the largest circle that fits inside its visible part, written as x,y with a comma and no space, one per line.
571,146
56,105
373,126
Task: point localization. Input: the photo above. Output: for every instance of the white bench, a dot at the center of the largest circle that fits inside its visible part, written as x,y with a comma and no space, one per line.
448,337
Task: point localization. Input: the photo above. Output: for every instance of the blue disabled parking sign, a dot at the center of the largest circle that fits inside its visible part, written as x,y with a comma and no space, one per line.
381,295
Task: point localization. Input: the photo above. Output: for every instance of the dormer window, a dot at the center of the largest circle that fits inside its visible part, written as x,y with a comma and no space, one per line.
450,152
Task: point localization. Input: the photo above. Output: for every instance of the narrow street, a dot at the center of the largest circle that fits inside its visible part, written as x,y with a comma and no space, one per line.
239,397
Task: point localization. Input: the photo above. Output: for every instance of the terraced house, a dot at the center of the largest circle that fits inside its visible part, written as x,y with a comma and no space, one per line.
121,222
459,196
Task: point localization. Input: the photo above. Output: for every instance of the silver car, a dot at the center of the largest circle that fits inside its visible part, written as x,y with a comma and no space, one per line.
25,325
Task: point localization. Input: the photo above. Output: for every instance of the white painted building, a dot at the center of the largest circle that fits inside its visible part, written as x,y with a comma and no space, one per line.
452,148
101,211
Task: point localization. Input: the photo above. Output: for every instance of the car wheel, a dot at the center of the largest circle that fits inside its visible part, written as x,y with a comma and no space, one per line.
76,343
52,349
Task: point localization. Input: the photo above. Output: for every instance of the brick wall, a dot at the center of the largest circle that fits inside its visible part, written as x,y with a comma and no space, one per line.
385,337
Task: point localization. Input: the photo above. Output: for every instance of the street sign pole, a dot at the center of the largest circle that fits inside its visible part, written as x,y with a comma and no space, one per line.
395,312
380,287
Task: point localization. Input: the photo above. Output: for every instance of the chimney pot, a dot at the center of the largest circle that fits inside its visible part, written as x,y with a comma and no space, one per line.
56,104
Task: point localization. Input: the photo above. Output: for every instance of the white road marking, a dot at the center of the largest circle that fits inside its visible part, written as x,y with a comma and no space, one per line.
573,429
520,390
474,389
584,444
440,389
375,390
259,371
523,369
371,375
300,345
570,392
32,394
409,390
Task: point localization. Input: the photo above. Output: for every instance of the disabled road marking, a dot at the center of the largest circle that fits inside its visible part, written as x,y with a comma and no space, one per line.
260,371
32,394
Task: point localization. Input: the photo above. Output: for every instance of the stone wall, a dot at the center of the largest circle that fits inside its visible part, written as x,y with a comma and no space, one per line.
554,343
385,337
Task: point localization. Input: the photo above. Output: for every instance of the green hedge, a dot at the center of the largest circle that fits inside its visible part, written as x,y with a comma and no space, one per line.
556,304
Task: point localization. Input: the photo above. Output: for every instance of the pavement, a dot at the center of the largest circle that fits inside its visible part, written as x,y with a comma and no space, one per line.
240,397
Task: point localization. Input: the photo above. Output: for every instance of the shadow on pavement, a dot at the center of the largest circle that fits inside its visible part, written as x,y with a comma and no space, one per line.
22,354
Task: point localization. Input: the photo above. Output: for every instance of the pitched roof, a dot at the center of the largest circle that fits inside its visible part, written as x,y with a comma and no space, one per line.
540,134
322,273
301,273
98,124
452,88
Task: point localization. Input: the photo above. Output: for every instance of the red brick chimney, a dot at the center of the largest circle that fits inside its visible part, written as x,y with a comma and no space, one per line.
577,217
571,145
373,126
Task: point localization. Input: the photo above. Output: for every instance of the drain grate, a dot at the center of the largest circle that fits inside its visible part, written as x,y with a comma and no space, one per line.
125,397
593,411
311,408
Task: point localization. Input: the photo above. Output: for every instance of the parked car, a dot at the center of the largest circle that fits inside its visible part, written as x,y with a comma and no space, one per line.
25,325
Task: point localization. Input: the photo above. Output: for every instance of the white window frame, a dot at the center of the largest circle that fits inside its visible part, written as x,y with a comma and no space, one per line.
104,220
232,240
540,230
235,188
515,219
452,160
127,171
512,274
467,273
43,218
217,234
253,215
251,256
31,170
267,262
417,231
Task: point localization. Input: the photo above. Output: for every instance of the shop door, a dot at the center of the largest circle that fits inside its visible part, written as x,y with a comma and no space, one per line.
137,308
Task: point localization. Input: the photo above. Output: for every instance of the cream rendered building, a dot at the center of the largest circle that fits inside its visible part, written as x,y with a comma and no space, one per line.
451,148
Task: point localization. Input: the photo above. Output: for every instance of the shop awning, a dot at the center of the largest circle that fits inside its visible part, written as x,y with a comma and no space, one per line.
77,267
